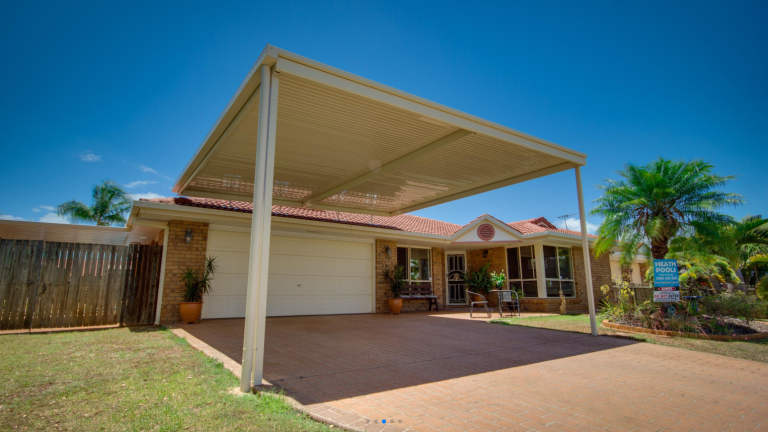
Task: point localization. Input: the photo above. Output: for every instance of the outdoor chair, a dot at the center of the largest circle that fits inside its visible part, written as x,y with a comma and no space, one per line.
479,300
510,302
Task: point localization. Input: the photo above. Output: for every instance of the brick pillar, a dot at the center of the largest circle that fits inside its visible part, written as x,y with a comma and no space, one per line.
181,256
438,275
383,261
601,275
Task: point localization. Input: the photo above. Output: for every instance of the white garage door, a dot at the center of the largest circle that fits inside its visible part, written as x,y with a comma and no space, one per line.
306,276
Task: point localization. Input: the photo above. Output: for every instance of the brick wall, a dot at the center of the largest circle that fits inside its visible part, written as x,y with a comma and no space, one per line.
180,256
382,289
384,262
438,275
497,257
601,275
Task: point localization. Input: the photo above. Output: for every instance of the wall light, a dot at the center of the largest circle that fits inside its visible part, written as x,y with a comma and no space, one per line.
188,236
388,252
485,253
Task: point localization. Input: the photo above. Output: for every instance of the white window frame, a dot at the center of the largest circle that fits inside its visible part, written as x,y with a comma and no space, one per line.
559,277
520,267
408,268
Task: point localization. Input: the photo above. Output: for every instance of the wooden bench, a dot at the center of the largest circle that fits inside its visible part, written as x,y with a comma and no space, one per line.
420,292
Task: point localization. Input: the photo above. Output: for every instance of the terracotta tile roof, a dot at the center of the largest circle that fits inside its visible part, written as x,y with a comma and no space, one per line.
409,223
541,224
406,222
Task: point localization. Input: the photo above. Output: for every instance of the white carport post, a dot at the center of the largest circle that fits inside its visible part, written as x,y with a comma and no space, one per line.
585,252
256,299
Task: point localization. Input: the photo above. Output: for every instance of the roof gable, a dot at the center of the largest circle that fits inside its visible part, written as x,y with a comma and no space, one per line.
470,233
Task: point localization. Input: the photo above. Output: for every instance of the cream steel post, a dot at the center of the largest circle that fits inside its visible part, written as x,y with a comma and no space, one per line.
257,221
266,229
585,252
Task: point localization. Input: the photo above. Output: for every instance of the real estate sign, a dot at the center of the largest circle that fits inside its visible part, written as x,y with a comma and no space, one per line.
666,281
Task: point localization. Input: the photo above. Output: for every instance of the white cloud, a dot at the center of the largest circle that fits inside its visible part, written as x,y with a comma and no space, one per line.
138,183
146,169
38,209
575,225
148,195
89,156
54,218
9,217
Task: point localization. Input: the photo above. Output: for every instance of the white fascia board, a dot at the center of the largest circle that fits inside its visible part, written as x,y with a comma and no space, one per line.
425,108
558,235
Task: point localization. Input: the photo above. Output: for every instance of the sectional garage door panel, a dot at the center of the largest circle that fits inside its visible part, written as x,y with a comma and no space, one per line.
306,276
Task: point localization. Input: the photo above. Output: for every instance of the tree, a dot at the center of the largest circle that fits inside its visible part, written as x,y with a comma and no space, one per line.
762,284
653,203
108,208
733,240
698,265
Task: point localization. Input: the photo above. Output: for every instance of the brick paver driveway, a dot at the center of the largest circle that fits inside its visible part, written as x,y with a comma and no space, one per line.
436,372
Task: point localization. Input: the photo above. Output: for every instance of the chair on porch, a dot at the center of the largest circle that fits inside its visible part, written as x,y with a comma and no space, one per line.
509,302
479,300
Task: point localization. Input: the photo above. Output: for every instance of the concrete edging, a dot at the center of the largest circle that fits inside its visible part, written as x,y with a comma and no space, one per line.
633,329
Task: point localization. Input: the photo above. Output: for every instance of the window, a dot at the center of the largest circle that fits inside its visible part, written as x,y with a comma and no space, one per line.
558,271
521,264
416,262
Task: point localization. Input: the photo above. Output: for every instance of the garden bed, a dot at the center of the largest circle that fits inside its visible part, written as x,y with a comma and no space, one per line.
755,330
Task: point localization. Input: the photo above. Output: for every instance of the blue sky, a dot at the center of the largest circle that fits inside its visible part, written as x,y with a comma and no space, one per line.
127,91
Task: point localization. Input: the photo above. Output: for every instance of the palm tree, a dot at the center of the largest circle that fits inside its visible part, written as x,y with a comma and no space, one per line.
653,203
733,240
108,208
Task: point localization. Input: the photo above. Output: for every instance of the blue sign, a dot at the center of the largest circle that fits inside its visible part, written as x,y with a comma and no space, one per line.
665,273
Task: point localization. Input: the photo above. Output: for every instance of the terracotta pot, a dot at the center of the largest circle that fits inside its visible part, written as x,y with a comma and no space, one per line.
395,305
190,311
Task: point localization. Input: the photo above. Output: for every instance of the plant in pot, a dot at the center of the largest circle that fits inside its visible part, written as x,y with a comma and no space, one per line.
479,281
395,278
196,285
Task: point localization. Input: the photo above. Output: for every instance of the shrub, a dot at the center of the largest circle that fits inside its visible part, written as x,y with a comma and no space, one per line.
738,305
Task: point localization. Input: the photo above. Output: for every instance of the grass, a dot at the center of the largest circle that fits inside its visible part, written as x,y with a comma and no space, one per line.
756,350
139,380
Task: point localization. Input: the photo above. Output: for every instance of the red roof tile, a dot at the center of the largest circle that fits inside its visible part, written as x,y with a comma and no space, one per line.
409,223
406,222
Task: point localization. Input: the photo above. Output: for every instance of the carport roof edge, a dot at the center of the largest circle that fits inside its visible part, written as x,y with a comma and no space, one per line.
300,66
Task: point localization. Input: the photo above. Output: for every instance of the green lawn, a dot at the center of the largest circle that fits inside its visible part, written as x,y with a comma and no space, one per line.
757,351
139,380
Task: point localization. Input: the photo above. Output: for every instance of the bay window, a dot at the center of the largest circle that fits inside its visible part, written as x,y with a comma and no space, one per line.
521,264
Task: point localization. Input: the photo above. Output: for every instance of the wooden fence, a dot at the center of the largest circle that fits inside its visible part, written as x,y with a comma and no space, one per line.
59,285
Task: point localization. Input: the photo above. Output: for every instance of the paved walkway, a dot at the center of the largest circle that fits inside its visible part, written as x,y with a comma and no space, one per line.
437,371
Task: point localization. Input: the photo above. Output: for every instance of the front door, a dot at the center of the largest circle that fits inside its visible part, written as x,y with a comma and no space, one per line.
457,265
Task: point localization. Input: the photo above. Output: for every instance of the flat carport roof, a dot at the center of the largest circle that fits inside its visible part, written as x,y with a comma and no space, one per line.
300,133
347,143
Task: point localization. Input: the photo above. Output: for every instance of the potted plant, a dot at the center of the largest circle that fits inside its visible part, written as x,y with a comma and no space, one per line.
479,281
196,285
498,279
395,278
